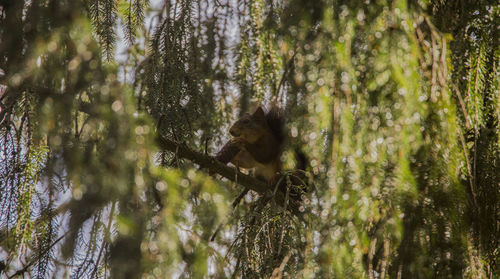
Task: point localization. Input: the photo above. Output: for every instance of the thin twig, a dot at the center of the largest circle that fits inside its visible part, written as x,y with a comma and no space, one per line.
107,235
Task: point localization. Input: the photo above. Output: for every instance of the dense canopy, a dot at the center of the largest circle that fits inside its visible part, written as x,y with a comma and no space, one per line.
110,111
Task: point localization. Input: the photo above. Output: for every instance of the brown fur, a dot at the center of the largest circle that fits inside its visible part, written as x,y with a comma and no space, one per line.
260,143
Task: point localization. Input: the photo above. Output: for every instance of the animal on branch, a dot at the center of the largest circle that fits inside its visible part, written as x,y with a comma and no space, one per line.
259,139
257,144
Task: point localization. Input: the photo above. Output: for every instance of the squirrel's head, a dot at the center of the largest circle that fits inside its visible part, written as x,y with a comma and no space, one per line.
250,127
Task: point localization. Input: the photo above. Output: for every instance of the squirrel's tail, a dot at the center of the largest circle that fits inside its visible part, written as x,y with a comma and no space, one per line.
276,122
301,159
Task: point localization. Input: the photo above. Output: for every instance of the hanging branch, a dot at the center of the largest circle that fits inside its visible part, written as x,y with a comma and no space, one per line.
34,259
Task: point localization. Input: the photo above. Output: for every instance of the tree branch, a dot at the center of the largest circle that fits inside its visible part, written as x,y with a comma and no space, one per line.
213,165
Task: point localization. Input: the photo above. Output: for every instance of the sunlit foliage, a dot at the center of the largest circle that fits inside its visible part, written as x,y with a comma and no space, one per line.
394,103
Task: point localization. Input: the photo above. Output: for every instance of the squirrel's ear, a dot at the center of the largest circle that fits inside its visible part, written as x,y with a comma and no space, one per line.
259,112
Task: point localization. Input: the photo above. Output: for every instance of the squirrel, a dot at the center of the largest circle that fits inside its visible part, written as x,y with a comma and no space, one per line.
257,143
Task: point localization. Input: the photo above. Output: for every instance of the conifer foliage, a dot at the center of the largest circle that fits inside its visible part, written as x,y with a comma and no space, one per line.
111,109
